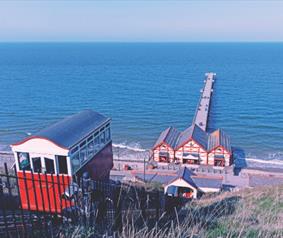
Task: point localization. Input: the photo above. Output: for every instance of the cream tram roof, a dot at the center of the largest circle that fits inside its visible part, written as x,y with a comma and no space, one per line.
71,130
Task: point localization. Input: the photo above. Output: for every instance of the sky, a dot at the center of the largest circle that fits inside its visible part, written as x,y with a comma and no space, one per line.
141,21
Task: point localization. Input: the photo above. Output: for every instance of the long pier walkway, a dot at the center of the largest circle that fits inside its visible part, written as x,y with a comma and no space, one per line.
202,112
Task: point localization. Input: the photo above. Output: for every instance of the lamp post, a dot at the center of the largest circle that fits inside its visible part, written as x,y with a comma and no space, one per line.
144,169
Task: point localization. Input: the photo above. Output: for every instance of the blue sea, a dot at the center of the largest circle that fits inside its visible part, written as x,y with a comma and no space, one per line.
144,88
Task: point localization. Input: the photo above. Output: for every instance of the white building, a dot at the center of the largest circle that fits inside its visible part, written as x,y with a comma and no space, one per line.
189,185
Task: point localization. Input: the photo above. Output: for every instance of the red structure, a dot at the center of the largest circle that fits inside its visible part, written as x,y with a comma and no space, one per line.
220,152
164,147
193,146
77,144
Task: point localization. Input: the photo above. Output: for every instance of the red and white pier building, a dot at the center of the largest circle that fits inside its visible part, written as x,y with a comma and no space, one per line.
193,146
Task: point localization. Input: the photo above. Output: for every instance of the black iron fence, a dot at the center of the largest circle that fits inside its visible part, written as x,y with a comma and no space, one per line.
33,205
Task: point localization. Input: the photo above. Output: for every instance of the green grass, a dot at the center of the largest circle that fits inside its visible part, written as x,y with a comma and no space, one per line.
248,213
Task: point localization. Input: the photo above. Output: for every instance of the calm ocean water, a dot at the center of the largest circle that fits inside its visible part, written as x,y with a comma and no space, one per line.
145,88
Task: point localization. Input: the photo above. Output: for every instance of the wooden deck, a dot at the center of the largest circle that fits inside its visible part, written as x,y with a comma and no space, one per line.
202,112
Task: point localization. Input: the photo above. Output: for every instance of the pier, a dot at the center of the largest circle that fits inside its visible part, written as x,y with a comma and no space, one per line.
202,112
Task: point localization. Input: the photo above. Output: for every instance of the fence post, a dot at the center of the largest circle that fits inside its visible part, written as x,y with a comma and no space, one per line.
47,191
10,195
54,193
34,191
5,221
43,202
41,192
142,195
1,187
63,192
157,205
28,200
35,198
48,198
21,208
69,191
5,216
59,191
118,225
8,179
86,199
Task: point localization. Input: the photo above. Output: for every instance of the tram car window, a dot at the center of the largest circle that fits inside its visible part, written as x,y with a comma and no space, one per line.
49,166
24,161
62,164
36,164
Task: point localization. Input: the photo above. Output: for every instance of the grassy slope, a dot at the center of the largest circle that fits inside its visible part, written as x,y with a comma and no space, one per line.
254,212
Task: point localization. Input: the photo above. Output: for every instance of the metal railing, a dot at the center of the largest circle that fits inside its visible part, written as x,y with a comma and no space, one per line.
34,205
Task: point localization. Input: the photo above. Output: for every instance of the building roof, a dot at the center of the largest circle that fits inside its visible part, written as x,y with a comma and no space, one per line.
219,138
169,136
207,182
208,142
159,178
72,129
197,181
193,132
185,174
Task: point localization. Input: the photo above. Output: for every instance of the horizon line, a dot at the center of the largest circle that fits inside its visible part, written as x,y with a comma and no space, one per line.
109,41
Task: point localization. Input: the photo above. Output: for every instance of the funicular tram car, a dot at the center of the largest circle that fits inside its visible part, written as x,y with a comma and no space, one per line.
53,157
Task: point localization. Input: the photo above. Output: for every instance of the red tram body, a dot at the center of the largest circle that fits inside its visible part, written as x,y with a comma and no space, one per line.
48,200
48,161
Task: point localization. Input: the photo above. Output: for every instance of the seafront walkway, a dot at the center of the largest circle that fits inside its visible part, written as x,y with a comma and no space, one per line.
202,112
